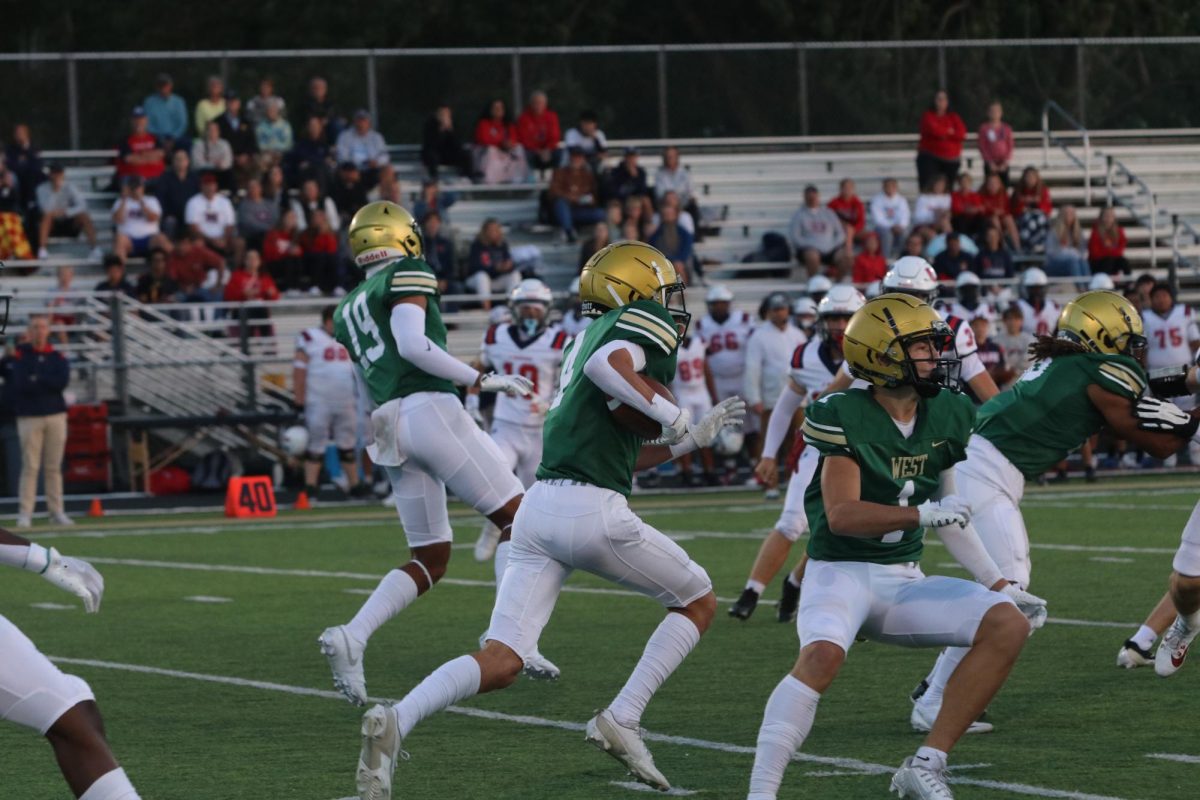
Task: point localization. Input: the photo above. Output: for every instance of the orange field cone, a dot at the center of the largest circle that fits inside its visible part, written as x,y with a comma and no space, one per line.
96,509
302,503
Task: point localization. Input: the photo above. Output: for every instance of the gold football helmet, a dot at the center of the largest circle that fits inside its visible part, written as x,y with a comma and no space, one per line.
877,339
624,272
1103,322
383,231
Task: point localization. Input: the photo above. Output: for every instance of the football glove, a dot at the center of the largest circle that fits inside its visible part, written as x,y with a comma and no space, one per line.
1169,381
950,510
674,433
76,576
730,411
1165,417
1032,606
511,385
472,406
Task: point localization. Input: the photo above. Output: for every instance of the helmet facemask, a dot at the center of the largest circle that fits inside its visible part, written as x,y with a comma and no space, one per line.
530,318
672,298
946,371
836,337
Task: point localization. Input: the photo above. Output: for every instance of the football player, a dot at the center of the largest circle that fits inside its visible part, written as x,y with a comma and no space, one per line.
814,365
695,390
884,474
968,304
573,320
37,694
1086,377
1040,312
725,333
577,516
323,385
392,326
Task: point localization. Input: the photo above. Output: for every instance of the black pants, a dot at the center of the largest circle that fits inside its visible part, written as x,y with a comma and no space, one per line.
929,167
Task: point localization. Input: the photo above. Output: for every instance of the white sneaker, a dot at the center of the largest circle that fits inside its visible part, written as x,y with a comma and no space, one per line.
1130,656
540,668
485,545
43,253
923,715
1130,460
342,483
345,654
914,780
24,521
1170,461
625,745
1173,648
380,749
61,519
771,494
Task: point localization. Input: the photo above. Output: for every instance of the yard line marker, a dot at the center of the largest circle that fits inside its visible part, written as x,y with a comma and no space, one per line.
52,606
634,786
1113,560
206,598
1182,759
704,744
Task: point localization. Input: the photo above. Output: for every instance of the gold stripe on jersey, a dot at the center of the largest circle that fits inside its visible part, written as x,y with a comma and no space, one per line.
414,282
811,432
645,333
666,329
1133,376
1122,377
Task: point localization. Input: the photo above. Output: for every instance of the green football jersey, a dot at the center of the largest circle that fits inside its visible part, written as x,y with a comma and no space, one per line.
895,471
362,323
581,441
1047,413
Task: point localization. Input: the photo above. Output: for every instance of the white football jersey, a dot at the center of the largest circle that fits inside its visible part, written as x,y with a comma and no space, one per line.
726,343
330,370
538,360
1168,337
689,369
813,367
1039,323
965,346
957,309
573,323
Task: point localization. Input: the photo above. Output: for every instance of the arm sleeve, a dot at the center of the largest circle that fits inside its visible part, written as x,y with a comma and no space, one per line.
29,557
964,543
408,329
752,379
608,380
785,407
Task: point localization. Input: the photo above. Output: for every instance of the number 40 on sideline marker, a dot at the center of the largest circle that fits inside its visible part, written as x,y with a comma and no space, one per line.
252,496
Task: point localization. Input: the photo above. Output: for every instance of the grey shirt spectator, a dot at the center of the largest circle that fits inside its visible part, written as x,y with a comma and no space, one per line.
256,215
362,145
66,199
815,226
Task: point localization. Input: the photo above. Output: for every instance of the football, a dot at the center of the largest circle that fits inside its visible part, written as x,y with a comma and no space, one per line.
633,420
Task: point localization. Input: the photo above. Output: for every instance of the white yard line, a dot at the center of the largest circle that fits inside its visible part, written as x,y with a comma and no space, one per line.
1182,759
704,744
634,786
1113,560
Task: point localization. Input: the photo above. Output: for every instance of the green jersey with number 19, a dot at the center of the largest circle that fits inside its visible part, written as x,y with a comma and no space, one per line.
894,470
362,323
581,441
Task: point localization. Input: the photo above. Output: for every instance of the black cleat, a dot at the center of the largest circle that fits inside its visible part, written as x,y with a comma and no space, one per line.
360,490
788,602
919,691
745,605
1089,475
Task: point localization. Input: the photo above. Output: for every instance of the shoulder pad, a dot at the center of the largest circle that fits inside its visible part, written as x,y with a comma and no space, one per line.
798,356
490,336
559,341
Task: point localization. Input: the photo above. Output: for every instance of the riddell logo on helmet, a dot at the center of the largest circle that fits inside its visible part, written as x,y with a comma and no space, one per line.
372,256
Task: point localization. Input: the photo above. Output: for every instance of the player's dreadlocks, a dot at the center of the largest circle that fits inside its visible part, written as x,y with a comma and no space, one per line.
1053,347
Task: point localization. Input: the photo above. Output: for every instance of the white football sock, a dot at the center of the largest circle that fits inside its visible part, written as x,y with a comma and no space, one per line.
786,722
394,593
113,785
448,684
931,758
947,662
501,562
793,580
1145,637
668,646
757,586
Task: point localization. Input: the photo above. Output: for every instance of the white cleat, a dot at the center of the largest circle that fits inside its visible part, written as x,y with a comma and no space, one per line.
485,545
61,519
625,745
380,749
345,655
923,715
1130,656
925,783
540,668
1173,648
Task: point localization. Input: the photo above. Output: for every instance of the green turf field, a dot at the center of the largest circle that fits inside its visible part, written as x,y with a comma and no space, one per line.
208,700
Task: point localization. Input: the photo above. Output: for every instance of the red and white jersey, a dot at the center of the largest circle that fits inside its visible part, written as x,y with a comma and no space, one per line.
966,347
573,322
726,343
537,359
689,370
1039,323
813,367
330,370
957,309
1169,336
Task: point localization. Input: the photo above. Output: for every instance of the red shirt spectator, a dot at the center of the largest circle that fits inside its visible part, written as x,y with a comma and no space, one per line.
314,241
967,203
189,262
996,140
942,134
869,265
993,198
1025,196
281,241
140,153
250,283
496,129
1106,243
537,127
849,209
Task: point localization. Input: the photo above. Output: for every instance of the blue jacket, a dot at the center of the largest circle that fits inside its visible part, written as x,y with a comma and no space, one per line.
35,380
166,117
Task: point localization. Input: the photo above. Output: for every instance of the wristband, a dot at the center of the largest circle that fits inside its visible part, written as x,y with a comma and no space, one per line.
663,411
31,558
684,446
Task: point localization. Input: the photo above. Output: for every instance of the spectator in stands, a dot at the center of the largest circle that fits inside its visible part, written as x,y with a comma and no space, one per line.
1106,245
993,261
63,213
242,138
967,212
25,161
319,245
441,146
890,217
815,227
937,245
388,188
673,177
996,143
63,297
914,245
189,266
1142,288
364,146
991,352
630,231
1014,340
311,158
573,193
258,108
673,241
490,266
1066,252
141,152
114,277
939,151
635,212
156,286
614,218
597,241
211,215
213,154
869,264
499,157
348,191
931,213
588,137
686,220
1030,207
212,105
628,179
256,215
953,259
310,201
274,187
251,283
849,209
175,188
996,210
538,133
282,254
434,199
768,354
137,218
13,242
35,376
273,135
439,254
317,104
166,113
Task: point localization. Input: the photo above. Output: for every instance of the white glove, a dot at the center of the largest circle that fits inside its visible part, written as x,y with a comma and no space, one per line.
77,577
950,510
472,406
729,412
674,433
511,385
1162,415
1032,606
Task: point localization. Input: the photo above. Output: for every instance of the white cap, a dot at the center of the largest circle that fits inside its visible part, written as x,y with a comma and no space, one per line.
841,299
804,306
1034,277
967,278
530,290
1101,282
718,293
818,283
